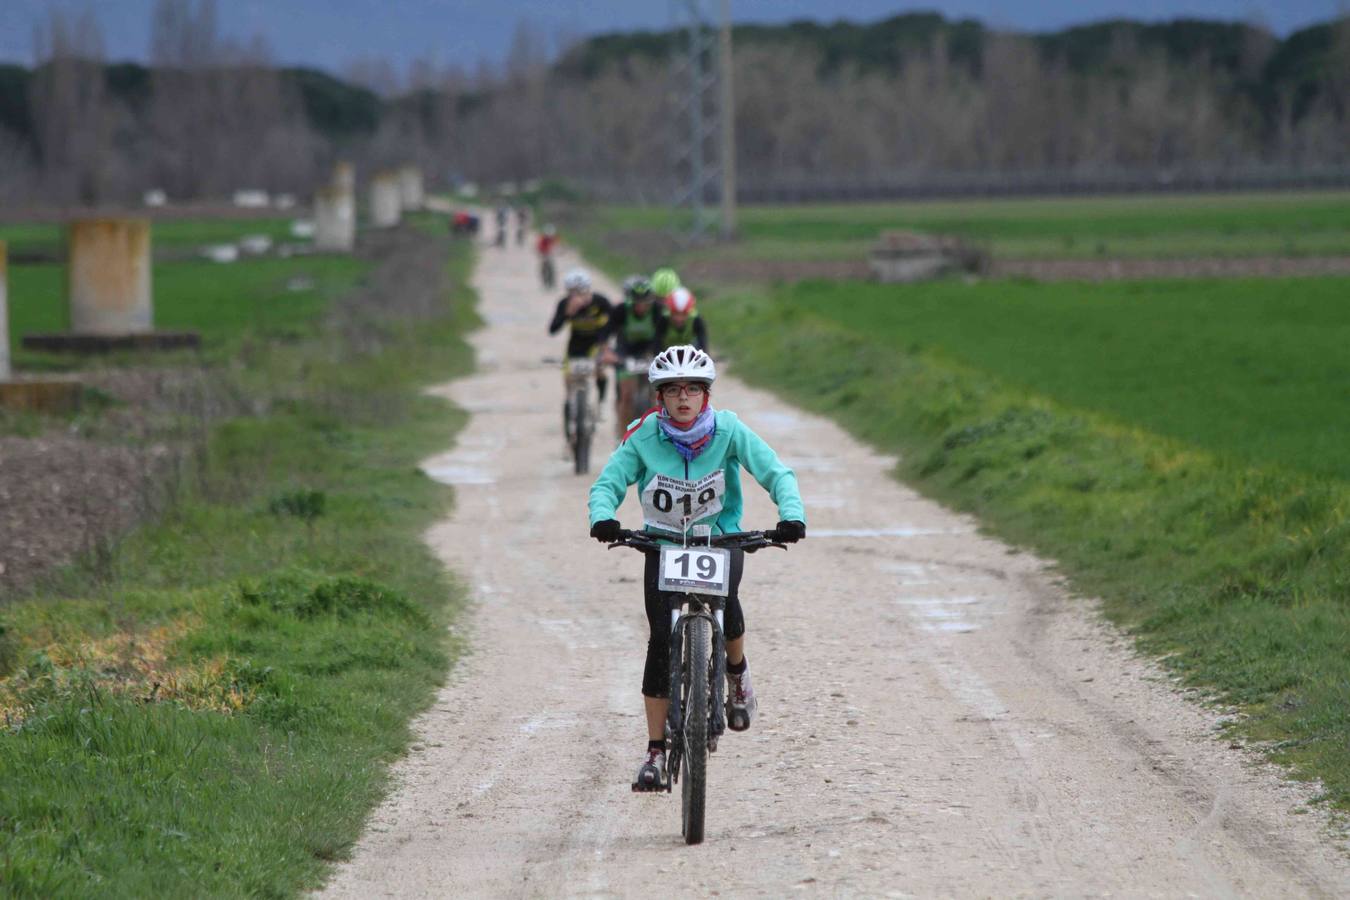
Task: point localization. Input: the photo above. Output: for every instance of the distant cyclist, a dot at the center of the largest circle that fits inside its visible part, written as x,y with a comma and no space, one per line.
503,212
588,315
546,247
522,224
682,324
688,441
634,326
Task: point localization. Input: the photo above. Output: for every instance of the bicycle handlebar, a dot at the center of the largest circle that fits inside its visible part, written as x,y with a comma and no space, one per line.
749,541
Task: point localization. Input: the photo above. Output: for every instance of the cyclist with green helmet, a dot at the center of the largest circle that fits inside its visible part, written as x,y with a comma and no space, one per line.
634,326
682,324
664,281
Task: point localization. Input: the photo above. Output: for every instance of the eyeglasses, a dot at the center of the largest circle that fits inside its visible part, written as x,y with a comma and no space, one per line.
674,390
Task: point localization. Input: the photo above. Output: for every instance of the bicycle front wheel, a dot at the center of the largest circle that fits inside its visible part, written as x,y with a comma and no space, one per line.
694,790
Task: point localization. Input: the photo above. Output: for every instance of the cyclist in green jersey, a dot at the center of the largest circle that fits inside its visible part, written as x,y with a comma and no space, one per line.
633,326
682,324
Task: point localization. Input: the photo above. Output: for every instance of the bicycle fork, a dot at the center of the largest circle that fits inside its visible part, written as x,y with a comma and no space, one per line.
717,674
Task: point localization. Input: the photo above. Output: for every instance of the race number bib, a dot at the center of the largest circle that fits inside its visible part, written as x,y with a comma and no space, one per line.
694,570
669,503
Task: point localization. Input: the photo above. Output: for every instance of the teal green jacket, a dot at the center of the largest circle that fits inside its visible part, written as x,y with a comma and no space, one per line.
647,452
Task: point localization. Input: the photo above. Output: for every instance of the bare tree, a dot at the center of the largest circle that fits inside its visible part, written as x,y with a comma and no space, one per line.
221,115
70,110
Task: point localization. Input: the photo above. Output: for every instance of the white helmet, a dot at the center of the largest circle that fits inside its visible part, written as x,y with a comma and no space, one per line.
577,280
684,362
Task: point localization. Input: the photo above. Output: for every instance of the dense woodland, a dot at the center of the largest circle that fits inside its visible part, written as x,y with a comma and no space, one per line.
915,94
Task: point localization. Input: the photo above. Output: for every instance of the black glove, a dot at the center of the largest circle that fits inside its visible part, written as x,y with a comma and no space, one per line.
606,530
790,531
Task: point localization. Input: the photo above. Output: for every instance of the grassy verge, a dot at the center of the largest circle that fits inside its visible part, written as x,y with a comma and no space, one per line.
213,713
1237,575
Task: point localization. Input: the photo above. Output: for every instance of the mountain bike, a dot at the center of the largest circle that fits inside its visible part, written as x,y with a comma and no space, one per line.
636,368
695,578
632,383
578,411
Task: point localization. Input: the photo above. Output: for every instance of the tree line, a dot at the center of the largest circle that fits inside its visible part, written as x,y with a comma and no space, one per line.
915,94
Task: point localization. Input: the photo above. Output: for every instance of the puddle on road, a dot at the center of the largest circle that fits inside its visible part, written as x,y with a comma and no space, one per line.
781,420
458,475
890,531
942,614
547,721
810,464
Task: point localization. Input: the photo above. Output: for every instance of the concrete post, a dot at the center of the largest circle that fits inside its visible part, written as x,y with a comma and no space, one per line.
5,372
386,200
334,220
410,184
109,277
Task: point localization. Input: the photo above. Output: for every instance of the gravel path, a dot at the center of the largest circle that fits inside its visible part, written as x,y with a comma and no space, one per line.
937,717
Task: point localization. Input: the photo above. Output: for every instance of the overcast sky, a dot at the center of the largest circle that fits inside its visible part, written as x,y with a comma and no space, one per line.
330,33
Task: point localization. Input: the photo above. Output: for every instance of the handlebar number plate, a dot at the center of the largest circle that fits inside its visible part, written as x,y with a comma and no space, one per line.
695,570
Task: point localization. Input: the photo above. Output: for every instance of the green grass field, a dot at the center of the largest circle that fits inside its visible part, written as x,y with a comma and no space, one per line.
210,709
1163,226
1253,370
182,233
225,303
1178,448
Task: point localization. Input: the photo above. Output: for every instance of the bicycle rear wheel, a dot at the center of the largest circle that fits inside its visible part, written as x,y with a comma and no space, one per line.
694,789
582,428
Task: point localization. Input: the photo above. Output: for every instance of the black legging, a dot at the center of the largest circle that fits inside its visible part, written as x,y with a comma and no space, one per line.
656,676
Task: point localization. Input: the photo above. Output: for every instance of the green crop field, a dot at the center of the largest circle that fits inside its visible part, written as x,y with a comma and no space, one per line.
1163,226
1255,370
225,303
180,233
1179,448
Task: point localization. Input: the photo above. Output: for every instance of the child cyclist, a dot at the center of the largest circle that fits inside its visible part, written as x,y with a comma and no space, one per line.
685,438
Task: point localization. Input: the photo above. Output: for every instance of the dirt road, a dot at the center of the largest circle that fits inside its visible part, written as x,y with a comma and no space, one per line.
937,718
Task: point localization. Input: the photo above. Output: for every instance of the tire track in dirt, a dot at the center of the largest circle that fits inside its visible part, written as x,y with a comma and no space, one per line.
937,717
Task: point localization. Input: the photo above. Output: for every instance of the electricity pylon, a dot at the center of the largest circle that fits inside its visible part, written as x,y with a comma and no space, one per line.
702,144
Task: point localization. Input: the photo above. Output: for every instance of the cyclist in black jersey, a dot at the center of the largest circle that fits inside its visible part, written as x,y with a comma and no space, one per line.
634,326
588,314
